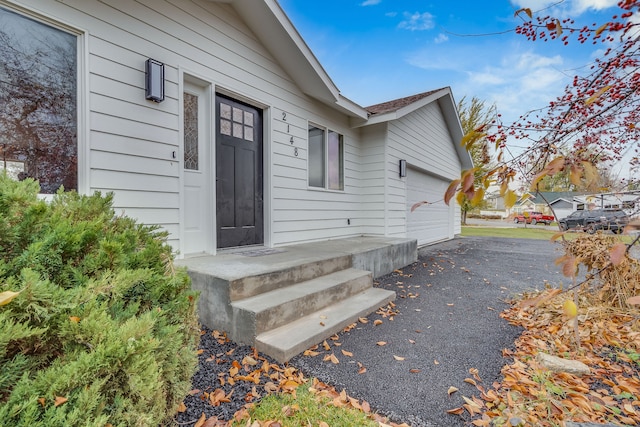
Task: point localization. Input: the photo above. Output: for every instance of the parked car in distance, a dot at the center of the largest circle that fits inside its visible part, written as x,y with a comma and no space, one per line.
534,218
596,219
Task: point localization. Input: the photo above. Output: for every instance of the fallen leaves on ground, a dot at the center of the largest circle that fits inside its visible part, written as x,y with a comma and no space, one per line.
609,344
271,378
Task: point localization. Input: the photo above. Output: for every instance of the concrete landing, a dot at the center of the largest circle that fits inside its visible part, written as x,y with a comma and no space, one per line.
379,255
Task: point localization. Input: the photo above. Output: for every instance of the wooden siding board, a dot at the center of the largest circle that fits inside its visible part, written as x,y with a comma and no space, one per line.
143,199
138,113
127,163
127,128
131,146
114,180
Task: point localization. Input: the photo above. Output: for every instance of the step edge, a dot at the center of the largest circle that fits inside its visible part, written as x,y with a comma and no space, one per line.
266,341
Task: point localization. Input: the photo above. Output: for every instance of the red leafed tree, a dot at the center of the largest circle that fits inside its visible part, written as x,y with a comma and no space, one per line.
596,119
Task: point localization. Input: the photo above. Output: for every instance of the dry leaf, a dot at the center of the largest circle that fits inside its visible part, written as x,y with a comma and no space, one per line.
347,353
361,369
399,358
381,343
377,322
470,381
201,421
270,387
7,296
60,401
248,360
617,253
74,319
570,309
451,390
634,300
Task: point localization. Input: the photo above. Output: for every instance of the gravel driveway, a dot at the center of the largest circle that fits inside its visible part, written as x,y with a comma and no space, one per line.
447,323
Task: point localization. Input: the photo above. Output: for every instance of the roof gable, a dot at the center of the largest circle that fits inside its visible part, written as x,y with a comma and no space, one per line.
398,108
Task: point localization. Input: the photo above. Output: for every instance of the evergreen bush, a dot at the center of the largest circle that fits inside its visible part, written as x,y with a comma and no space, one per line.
102,331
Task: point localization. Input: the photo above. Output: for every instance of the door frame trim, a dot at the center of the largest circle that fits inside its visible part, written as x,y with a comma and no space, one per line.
190,77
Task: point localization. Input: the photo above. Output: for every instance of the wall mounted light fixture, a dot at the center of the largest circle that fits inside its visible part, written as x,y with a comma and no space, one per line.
403,168
154,82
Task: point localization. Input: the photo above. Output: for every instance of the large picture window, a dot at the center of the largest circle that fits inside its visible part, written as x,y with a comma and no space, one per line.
38,102
326,159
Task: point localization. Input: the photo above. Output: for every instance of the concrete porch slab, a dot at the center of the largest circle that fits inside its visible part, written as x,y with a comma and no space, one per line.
379,255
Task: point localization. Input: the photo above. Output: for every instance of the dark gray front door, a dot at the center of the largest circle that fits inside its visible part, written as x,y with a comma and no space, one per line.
238,173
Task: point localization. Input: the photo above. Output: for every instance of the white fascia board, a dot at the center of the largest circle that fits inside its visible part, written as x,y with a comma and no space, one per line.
351,108
452,117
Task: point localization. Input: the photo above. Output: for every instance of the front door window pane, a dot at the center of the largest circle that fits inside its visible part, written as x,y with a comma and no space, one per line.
38,105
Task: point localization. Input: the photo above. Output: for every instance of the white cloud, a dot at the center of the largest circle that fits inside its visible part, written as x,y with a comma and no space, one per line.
532,61
584,5
570,8
370,2
442,37
417,21
517,80
521,82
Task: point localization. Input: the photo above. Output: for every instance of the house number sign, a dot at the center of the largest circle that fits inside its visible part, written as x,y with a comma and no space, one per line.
291,140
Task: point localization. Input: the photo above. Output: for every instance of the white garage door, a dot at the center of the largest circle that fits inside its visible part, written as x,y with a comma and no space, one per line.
433,222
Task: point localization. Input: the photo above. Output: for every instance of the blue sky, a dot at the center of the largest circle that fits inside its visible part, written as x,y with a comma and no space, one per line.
378,50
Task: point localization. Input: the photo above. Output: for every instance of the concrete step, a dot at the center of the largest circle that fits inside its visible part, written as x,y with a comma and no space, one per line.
285,274
286,341
278,307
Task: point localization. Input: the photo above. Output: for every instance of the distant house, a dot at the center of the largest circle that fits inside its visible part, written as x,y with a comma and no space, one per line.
549,202
629,201
236,135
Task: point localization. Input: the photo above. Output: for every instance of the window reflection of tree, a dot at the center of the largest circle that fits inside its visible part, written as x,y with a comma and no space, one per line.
38,101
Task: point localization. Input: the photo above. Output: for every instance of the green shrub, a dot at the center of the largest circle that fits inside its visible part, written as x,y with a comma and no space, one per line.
103,330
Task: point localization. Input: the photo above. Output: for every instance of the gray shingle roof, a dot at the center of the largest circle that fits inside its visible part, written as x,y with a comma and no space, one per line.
396,104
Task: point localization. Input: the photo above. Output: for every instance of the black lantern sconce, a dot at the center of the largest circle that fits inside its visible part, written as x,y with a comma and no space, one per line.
154,82
403,168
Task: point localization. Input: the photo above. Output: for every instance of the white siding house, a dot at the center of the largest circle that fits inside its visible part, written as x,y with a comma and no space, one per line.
253,144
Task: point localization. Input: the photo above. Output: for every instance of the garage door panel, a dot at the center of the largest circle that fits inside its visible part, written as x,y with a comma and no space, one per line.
435,221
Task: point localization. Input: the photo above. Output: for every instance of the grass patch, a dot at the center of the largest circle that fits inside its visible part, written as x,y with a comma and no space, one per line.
526,233
514,232
304,408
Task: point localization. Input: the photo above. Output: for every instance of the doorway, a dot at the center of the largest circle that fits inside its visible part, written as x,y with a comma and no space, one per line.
239,174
